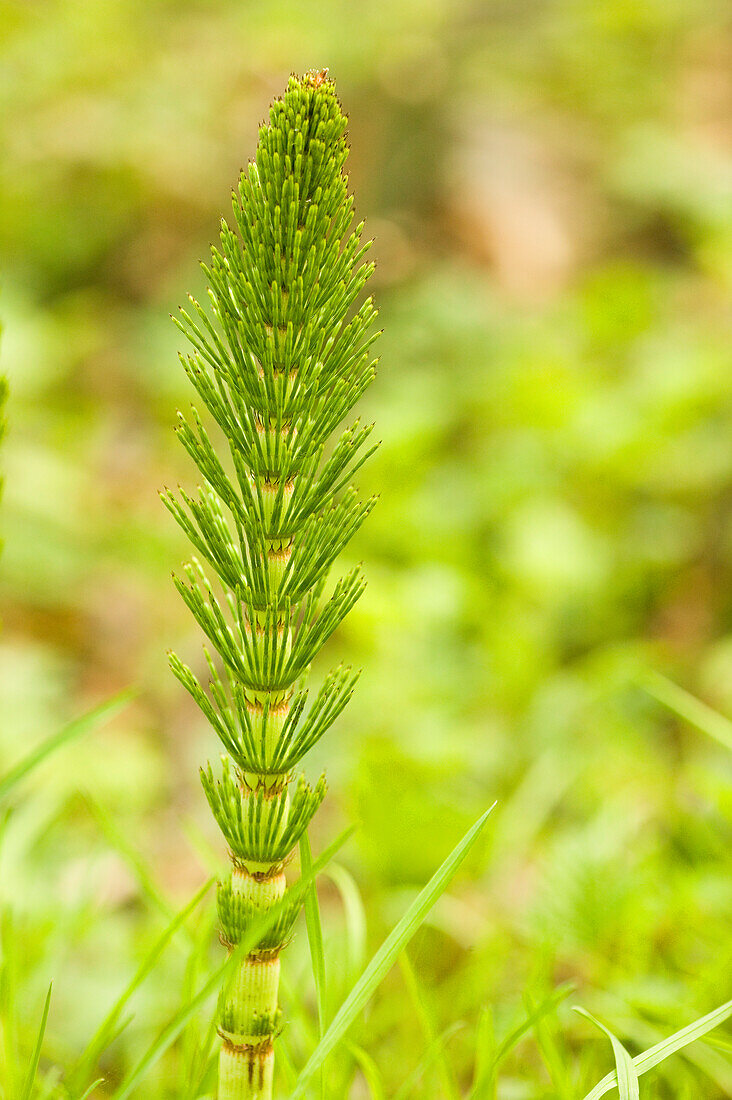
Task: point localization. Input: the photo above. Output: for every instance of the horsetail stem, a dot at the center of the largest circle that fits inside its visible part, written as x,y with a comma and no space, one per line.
280,357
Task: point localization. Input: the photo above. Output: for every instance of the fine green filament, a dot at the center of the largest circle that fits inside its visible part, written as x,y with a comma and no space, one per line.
280,357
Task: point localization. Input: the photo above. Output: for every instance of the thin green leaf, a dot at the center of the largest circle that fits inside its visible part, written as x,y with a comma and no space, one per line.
315,941
434,1051
255,932
688,707
197,962
628,1087
387,954
36,1056
429,1030
204,1063
485,1054
89,721
90,1090
101,1038
9,968
143,875
557,1061
285,1062
314,928
663,1050
370,1071
355,916
514,1037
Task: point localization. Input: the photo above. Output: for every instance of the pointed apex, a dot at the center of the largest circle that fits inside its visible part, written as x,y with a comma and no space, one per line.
316,78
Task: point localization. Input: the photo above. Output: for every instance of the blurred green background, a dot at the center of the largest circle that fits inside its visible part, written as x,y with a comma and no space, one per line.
549,183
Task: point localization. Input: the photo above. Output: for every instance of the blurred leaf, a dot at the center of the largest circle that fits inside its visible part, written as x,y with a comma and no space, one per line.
486,1073
369,1070
77,728
106,1029
387,954
435,1043
688,707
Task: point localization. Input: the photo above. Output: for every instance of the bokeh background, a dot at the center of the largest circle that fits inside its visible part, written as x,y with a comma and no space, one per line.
549,183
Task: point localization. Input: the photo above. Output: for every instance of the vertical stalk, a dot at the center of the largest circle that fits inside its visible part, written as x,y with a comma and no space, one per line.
279,360
249,1010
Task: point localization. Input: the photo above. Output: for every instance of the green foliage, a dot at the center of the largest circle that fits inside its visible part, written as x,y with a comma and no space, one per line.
657,1054
260,828
279,367
552,241
387,955
77,728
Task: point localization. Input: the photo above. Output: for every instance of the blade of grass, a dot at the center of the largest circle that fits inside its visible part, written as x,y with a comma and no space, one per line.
315,942
144,877
688,707
298,1011
87,722
701,1056
258,928
9,1029
286,1063
101,1037
204,1060
387,955
628,1086
355,916
369,1069
429,1031
557,1062
514,1037
92,1086
197,963
434,1051
36,1055
485,1055
663,1050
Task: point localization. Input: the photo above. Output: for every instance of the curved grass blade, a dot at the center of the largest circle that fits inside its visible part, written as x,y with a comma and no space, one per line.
355,916
36,1056
628,1086
387,955
369,1069
663,1050
92,1086
258,928
77,728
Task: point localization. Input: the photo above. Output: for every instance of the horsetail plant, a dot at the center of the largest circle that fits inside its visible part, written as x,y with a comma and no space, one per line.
279,359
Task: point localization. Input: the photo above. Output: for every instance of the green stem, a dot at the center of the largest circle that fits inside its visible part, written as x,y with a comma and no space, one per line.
279,361
249,1010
